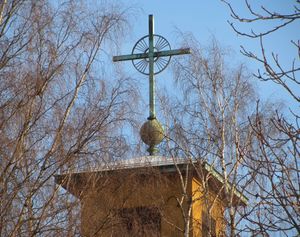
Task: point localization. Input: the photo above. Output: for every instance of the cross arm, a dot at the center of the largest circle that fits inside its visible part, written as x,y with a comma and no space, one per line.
130,57
165,53
172,52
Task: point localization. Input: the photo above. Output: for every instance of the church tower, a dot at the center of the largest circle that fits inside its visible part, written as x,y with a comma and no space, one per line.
151,195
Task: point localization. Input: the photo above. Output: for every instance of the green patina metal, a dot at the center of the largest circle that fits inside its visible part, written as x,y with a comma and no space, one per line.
164,53
151,70
151,57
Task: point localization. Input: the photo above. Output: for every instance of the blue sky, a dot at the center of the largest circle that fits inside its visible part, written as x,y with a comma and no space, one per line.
207,18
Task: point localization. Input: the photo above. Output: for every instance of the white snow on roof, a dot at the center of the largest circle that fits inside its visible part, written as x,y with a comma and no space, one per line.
143,161
136,162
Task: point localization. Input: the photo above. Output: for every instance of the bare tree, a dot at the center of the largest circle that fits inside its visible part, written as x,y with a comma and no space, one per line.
278,199
58,108
210,125
274,70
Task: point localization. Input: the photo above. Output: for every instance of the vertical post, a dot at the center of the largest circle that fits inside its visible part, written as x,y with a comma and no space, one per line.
151,70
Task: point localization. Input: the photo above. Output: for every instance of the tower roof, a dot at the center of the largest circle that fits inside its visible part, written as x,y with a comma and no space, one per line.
68,178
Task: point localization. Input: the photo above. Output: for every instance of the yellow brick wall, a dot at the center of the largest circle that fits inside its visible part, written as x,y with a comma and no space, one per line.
127,190
203,201
145,188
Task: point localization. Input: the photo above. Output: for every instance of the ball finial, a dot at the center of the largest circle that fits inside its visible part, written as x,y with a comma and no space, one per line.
152,133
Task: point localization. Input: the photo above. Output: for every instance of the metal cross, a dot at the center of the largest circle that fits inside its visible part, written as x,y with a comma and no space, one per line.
152,56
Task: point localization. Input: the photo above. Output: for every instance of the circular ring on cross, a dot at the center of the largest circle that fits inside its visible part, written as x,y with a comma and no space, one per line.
142,46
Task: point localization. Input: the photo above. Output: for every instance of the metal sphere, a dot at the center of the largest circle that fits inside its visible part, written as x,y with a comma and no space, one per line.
152,132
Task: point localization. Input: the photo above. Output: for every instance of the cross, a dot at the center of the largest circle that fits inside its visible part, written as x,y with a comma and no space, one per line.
151,56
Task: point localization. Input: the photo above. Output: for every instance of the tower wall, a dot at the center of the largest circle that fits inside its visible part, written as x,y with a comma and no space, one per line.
105,206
